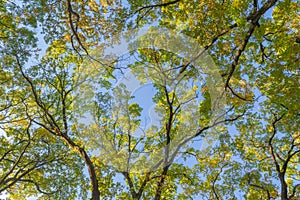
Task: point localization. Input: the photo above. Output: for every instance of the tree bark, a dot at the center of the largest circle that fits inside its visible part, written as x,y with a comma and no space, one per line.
284,190
89,165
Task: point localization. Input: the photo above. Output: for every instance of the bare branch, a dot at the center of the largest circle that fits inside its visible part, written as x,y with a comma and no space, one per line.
156,5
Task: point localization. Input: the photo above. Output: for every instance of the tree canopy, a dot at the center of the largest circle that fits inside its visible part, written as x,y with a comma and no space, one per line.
222,79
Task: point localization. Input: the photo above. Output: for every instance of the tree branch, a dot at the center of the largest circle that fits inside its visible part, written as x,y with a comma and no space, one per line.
254,18
156,5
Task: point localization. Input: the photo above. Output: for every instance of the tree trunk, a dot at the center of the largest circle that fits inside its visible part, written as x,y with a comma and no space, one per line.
89,165
284,191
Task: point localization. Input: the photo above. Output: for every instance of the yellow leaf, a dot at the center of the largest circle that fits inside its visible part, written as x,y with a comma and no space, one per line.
94,6
104,3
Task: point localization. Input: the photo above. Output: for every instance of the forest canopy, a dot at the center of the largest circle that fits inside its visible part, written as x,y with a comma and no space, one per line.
150,99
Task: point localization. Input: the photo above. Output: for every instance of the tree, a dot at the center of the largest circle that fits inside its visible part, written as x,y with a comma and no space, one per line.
47,90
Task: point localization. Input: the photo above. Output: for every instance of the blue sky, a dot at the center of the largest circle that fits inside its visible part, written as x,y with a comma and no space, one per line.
143,95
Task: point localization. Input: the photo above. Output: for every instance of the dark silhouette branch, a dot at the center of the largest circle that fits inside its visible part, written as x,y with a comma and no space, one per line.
254,18
259,187
56,130
156,5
